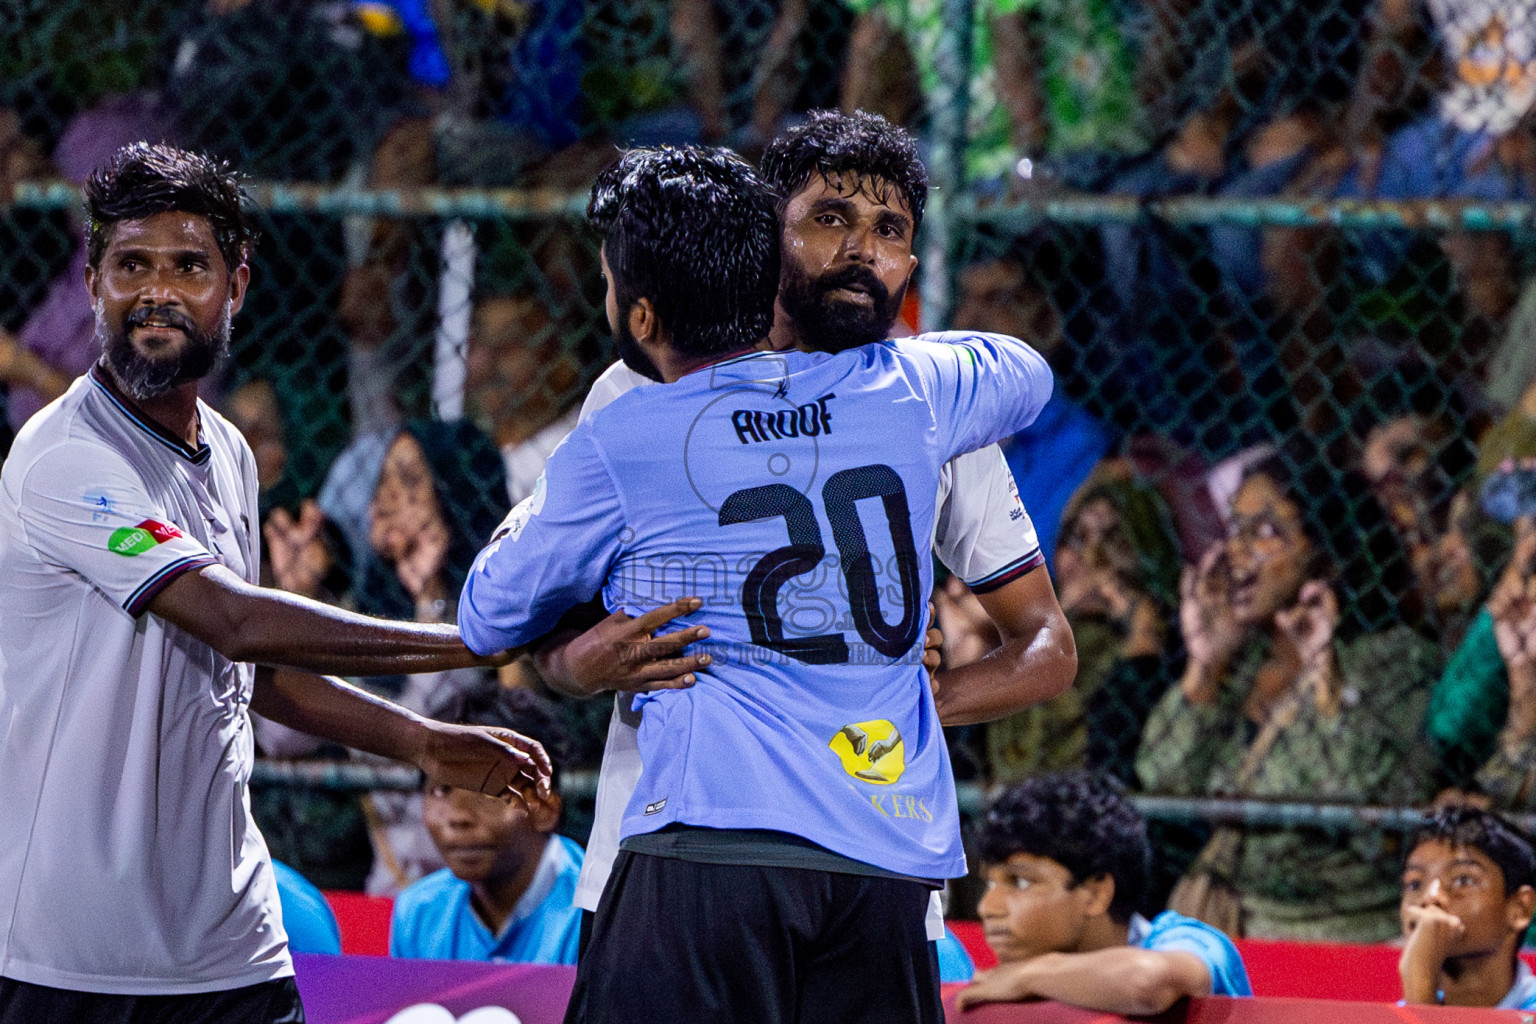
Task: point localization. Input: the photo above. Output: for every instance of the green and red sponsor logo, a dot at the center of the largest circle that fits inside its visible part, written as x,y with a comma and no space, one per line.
135,540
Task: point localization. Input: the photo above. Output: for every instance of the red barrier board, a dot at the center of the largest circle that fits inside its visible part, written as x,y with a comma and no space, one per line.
1219,1010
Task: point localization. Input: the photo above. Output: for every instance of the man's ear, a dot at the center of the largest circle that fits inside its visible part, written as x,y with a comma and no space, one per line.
643,322
544,815
238,281
1098,893
90,281
1519,907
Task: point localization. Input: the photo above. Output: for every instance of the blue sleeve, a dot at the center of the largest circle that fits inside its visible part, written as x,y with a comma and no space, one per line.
405,925
1174,933
983,387
307,917
954,962
551,554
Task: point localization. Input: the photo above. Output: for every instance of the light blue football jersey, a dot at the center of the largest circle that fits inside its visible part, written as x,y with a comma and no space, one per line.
793,492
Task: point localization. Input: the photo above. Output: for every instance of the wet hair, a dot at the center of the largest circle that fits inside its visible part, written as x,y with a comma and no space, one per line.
486,702
695,230
1488,833
1355,544
832,143
143,179
1083,821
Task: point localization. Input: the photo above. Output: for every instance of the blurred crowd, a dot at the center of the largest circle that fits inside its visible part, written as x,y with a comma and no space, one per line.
1287,483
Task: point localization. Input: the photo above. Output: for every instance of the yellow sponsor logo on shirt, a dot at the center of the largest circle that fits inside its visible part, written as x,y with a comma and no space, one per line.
871,752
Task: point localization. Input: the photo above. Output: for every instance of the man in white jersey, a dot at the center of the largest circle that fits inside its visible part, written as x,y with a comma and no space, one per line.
983,533
745,827
134,885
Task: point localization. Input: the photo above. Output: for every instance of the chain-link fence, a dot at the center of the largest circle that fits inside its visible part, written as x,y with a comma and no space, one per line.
1279,252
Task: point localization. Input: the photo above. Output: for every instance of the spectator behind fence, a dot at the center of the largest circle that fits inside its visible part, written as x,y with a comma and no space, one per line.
440,493
1066,858
1412,434
1048,78
1117,575
1305,679
523,382
58,341
1054,454
506,892
1475,142
1477,714
1467,901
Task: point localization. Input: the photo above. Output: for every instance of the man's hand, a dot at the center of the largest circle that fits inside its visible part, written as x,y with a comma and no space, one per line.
624,654
1005,983
933,648
1431,931
496,762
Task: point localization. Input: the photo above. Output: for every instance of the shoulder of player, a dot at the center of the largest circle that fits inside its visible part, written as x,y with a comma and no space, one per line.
64,449
929,341
611,385
429,891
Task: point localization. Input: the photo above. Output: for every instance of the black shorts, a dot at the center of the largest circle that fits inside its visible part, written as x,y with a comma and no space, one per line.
676,940
271,1002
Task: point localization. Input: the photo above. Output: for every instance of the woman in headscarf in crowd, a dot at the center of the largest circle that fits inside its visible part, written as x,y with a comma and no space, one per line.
440,495
1117,567
1306,678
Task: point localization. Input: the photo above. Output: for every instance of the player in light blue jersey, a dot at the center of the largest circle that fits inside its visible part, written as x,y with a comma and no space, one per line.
798,799
984,534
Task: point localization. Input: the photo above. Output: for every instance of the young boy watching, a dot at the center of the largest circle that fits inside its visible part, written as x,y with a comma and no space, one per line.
1066,859
1467,901
506,894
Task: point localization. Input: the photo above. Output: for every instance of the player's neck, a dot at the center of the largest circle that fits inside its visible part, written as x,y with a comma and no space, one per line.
175,411
785,333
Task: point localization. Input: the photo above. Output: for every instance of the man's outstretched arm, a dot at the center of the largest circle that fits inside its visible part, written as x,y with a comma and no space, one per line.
497,762
1036,661
244,622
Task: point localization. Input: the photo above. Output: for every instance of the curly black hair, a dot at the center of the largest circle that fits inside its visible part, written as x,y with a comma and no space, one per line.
1083,821
1488,833
143,179
830,142
695,230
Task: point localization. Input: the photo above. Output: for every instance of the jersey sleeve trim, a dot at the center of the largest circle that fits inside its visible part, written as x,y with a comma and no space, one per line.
1016,569
150,588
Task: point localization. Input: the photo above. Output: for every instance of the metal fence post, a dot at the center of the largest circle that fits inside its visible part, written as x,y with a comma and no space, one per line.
948,108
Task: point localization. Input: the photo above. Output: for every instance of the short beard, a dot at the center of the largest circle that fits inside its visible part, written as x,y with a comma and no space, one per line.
826,324
146,377
633,355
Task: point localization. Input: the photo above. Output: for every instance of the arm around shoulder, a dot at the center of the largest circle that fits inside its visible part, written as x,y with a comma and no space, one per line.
1036,661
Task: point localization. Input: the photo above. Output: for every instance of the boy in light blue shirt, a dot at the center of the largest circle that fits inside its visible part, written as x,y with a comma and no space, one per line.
1066,859
507,892
1467,902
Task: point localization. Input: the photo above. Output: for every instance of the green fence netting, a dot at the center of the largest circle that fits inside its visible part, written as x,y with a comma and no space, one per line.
1287,234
